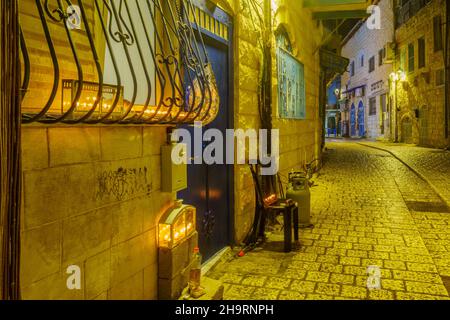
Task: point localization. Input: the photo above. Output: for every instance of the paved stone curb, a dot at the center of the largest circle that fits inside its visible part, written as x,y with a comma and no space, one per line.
416,171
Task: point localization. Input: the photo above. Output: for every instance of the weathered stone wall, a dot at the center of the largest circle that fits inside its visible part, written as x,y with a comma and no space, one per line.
420,90
92,194
366,43
299,139
91,198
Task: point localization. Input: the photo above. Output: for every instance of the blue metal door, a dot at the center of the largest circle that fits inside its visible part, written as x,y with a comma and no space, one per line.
210,187
361,128
352,121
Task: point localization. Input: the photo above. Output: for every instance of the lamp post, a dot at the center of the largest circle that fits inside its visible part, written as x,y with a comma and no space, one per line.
395,78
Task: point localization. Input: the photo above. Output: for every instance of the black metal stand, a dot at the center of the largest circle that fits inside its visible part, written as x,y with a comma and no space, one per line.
290,217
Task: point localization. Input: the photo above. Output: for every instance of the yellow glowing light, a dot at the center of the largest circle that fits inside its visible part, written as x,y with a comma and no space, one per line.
400,75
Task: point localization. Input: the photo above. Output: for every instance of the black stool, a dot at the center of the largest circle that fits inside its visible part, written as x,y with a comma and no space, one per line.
289,209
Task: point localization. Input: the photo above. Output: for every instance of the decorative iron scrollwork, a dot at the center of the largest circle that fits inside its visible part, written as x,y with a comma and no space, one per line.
154,56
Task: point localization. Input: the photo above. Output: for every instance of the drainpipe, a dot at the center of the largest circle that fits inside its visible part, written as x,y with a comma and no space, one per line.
396,111
447,66
396,55
266,95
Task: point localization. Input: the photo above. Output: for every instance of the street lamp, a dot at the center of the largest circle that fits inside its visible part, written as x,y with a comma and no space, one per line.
396,77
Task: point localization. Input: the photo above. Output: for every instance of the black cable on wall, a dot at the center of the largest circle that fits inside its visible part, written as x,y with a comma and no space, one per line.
10,165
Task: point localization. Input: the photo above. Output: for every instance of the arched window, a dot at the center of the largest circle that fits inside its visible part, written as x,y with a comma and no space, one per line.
283,40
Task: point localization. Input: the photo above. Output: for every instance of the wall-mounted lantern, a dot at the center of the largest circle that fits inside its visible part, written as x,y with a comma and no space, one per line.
176,225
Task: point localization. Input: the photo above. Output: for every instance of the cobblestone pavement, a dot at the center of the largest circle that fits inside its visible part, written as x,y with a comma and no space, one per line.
368,210
432,164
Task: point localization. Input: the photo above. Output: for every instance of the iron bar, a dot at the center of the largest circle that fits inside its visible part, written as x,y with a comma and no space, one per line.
168,43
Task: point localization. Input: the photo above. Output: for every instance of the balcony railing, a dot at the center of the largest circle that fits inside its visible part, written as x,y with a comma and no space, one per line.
114,62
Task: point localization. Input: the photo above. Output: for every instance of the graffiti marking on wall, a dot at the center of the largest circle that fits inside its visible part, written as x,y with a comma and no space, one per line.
123,183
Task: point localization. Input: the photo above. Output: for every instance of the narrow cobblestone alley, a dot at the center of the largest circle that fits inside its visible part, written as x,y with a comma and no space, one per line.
368,209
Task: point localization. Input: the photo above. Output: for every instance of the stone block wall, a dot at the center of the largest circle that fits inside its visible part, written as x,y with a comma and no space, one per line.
91,198
420,90
299,139
91,194
175,265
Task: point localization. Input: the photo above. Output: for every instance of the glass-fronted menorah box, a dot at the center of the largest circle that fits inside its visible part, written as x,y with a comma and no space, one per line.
88,98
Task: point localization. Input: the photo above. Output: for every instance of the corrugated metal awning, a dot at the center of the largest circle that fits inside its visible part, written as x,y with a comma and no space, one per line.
337,9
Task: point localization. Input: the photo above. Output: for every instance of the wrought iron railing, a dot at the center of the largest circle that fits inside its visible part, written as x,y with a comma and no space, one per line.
149,60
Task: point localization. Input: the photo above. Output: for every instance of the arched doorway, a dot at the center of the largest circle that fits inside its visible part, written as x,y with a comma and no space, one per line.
406,134
361,127
352,121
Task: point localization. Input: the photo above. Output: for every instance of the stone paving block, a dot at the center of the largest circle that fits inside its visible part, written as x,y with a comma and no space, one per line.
391,264
422,267
314,249
414,275
378,255
294,274
255,281
305,257
362,246
265,294
389,284
381,295
342,278
305,265
317,276
427,288
328,288
354,292
232,278
239,292
358,253
330,267
303,286
418,296
352,261
291,295
328,259
277,283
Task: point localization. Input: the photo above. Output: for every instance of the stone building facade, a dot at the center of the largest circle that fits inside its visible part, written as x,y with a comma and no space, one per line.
420,54
365,85
73,213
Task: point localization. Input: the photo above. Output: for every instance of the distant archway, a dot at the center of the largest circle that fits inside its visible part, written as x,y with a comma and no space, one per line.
406,127
361,127
352,120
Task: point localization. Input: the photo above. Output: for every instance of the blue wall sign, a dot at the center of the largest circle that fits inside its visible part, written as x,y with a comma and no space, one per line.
291,86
